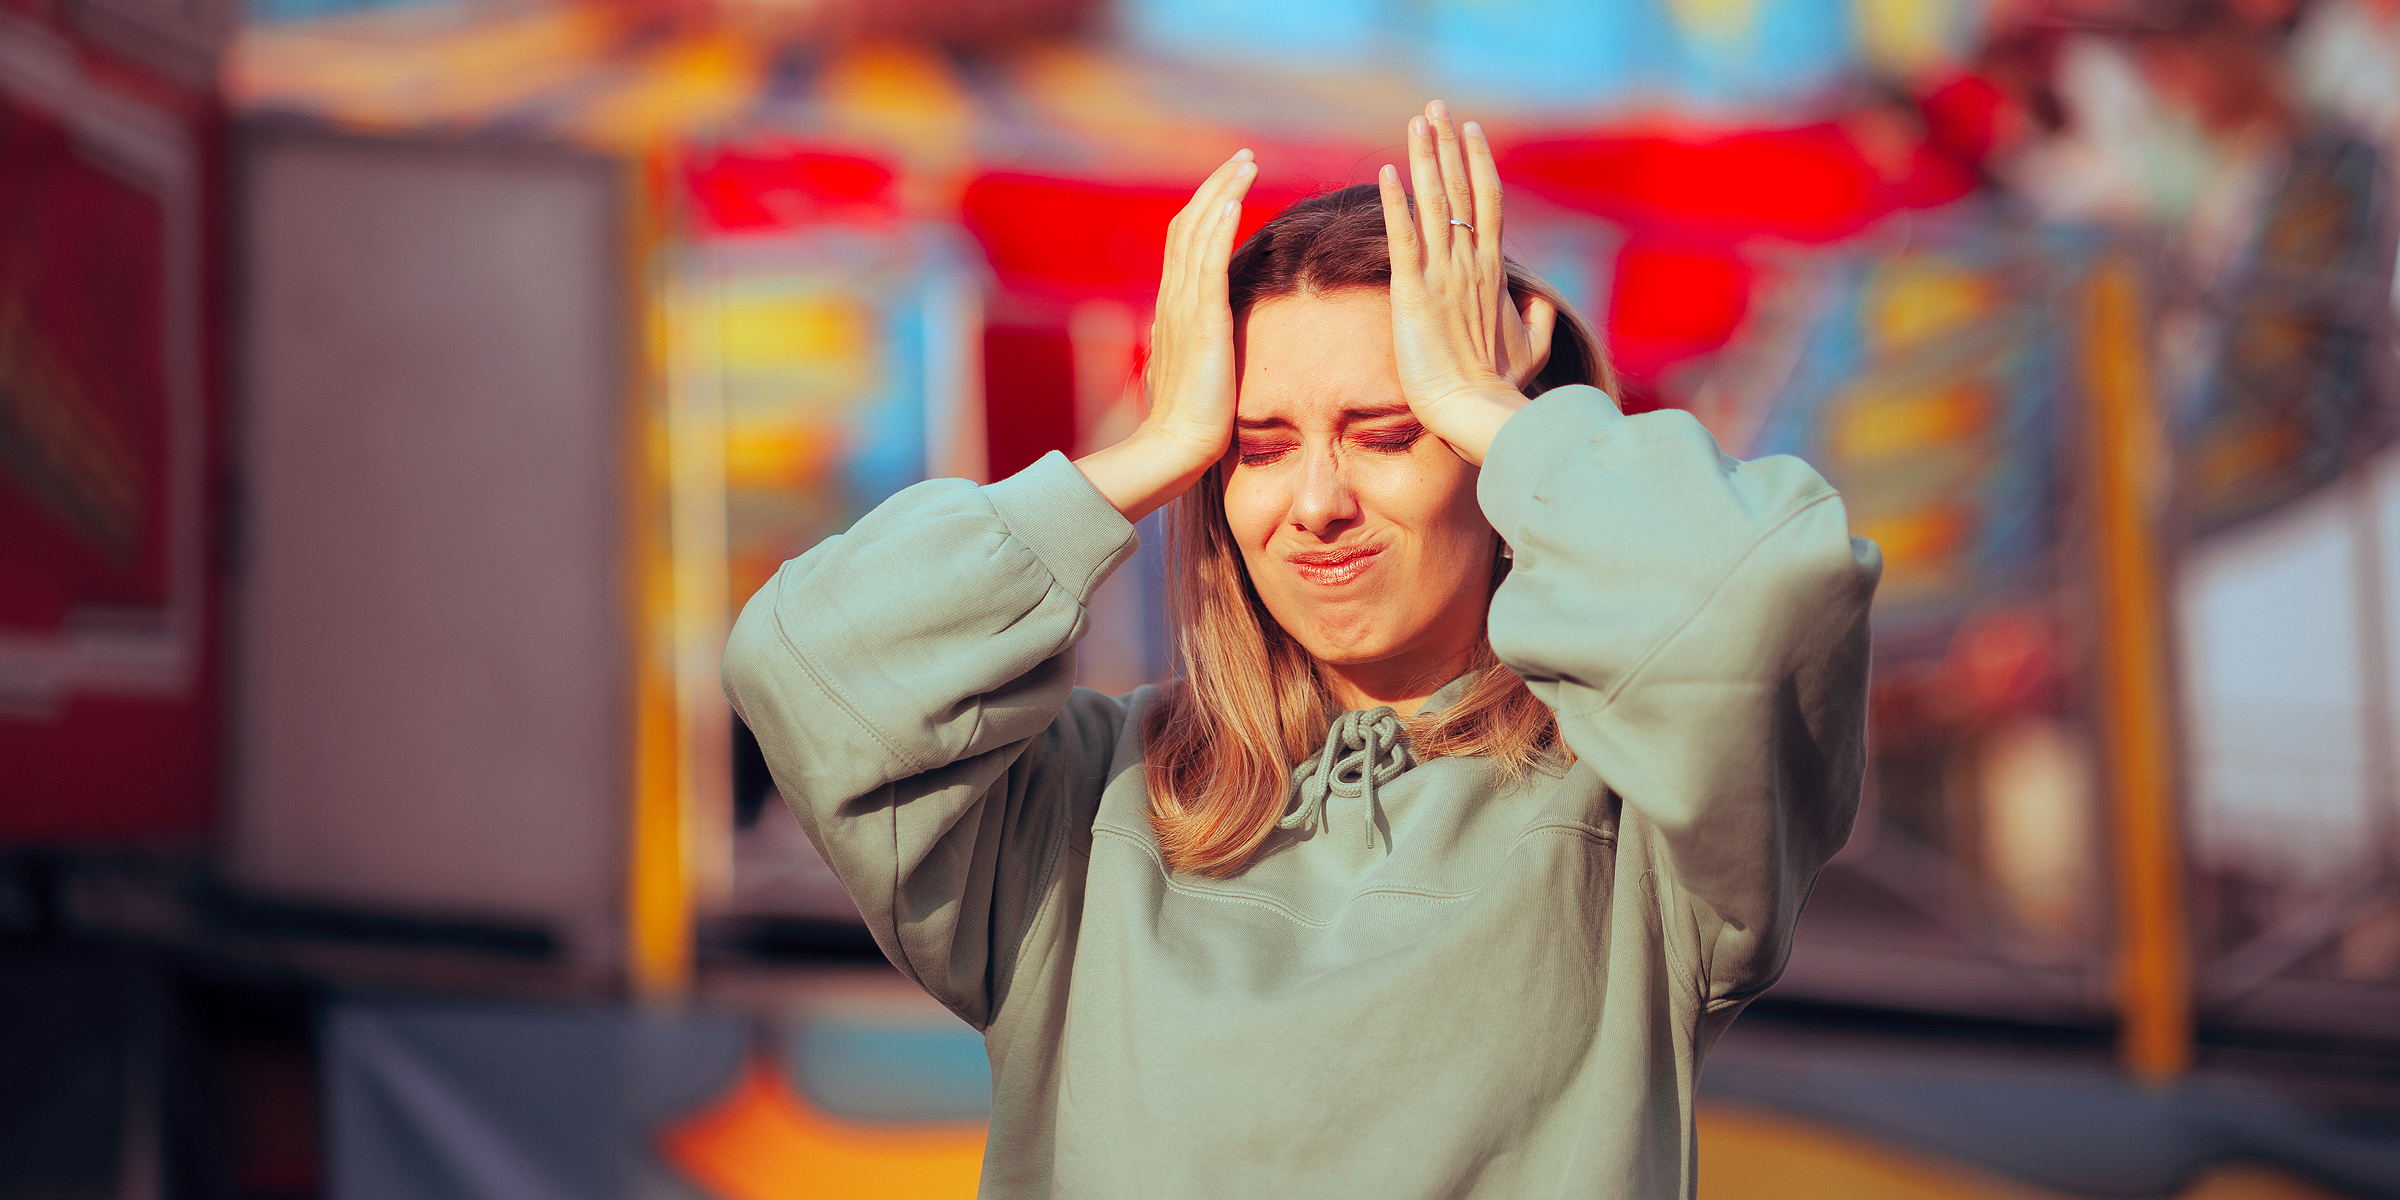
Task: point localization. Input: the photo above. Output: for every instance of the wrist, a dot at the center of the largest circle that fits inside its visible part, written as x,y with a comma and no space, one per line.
1142,473
1470,417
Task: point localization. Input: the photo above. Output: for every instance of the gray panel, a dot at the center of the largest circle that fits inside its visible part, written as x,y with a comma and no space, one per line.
431,638
483,1101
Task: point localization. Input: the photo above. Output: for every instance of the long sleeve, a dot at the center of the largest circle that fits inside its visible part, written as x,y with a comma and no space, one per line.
1700,627
910,682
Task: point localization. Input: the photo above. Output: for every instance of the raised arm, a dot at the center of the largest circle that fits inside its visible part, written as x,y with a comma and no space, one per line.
1698,624
1700,627
910,683
910,680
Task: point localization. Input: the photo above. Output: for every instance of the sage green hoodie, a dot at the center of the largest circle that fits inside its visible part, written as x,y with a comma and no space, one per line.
1428,983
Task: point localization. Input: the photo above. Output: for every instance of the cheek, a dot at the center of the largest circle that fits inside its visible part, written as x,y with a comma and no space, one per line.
1253,510
1433,498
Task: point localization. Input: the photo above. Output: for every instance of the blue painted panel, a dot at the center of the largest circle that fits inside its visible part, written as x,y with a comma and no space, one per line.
892,1071
1787,46
1548,52
264,11
1343,31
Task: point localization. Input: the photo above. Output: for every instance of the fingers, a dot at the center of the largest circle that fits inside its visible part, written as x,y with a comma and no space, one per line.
1196,209
1484,175
1210,217
1425,179
1455,179
1538,318
1215,249
1408,253
1457,190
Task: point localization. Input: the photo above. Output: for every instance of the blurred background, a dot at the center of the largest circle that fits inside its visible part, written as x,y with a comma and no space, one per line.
398,398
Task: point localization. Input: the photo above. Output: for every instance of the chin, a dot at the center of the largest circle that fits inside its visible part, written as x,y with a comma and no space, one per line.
1362,639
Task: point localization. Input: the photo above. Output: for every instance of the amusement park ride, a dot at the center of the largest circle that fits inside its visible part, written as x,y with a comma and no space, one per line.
486,357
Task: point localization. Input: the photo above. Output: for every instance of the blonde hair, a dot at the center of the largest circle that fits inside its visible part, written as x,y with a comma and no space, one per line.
1220,743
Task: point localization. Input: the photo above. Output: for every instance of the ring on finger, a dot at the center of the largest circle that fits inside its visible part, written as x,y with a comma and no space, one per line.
1469,224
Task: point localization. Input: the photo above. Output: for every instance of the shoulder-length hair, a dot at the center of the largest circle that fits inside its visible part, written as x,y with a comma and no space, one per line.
1221,741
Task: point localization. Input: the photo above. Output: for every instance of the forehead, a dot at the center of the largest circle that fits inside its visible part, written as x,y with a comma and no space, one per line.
1314,355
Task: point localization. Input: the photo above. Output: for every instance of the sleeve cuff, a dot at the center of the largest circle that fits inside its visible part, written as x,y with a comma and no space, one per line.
1551,426
1065,521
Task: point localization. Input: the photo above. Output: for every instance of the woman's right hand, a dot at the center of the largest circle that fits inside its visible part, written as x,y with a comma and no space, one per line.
1190,380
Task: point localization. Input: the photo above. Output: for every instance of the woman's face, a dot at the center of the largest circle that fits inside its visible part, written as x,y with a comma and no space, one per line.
1360,530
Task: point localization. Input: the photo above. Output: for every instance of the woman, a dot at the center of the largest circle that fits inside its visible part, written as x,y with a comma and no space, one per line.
1366,902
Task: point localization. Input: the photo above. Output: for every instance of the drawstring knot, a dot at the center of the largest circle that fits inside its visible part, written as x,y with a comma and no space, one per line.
1363,751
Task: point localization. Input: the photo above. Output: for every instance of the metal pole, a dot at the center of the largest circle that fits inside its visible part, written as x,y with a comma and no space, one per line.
2154,979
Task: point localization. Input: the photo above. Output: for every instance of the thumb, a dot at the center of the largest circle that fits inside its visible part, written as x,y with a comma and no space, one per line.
1528,338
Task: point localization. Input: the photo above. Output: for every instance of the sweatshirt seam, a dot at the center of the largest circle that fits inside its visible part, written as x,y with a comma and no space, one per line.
1089,584
827,688
1590,833
1706,601
1080,589
1275,905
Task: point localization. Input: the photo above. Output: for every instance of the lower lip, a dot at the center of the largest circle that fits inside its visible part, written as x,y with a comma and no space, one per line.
1329,574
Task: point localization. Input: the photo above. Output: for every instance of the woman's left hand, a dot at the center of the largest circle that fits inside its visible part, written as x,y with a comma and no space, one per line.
1463,348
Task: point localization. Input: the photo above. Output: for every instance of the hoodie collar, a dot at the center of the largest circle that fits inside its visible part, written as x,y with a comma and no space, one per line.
1364,750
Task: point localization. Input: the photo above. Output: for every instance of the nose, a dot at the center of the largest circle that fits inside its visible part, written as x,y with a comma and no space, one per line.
1322,502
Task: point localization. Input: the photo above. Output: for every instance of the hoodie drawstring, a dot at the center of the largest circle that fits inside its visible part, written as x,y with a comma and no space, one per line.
1363,751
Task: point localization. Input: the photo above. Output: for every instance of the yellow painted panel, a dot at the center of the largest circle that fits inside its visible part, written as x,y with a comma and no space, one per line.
696,82
771,456
1918,538
1922,297
896,81
1884,425
371,71
791,332
1906,37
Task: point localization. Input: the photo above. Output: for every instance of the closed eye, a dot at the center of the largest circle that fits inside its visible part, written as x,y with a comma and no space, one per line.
1256,454
1394,440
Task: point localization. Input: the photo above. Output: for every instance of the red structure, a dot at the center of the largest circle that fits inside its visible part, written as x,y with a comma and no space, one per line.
111,407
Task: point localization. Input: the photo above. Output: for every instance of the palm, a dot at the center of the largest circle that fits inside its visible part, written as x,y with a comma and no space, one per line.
1461,344
1190,381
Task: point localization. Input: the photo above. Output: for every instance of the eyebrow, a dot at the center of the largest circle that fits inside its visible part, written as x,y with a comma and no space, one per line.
1348,415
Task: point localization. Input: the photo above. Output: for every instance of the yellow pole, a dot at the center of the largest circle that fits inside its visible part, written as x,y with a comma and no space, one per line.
658,884
2154,978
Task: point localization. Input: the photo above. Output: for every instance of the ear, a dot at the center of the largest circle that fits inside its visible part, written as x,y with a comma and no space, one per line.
1540,317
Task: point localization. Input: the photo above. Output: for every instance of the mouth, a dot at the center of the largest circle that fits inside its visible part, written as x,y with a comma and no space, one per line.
1329,568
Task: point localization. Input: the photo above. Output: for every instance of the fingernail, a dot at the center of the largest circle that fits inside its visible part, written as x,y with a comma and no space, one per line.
1387,174
1247,168
1242,155
1472,129
1416,126
1232,207
1440,110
